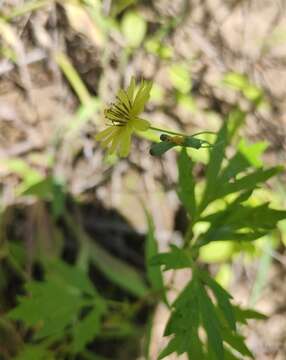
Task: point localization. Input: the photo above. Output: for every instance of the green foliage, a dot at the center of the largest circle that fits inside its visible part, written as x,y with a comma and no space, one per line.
151,249
34,353
54,308
114,269
175,259
195,309
118,271
65,308
160,148
203,320
58,317
186,185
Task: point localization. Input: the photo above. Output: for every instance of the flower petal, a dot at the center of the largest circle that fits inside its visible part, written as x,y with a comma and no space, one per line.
141,98
125,101
115,141
125,141
104,133
140,124
131,89
105,142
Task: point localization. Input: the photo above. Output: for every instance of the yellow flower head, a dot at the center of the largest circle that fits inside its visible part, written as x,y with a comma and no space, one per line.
124,118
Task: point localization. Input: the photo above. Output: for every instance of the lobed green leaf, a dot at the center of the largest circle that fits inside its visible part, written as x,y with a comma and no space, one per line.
175,259
210,322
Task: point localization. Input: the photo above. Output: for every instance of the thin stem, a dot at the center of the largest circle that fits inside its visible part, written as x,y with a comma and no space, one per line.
166,131
180,134
204,132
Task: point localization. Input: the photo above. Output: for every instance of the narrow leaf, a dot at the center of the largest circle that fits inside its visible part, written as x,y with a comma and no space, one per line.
242,315
210,322
236,164
175,259
117,270
236,341
86,329
186,186
248,181
151,249
223,299
170,348
214,166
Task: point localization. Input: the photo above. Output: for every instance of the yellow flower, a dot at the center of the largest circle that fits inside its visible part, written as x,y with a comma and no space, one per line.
123,115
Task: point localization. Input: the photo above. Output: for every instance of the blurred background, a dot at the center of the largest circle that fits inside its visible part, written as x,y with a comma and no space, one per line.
61,63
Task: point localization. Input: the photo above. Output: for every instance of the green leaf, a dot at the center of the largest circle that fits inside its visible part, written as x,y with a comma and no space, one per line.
175,259
235,120
87,329
34,352
170,348
237,216
51,305
228,355
222,297
210,322
49,189
69,276
151,249
218,217
186,186
117,271
185,315
196,351
249,181
184,323
253,152
236,341
236,164
226,233
148,338
160,148
242,315
42,189
257,217
134,28
214,166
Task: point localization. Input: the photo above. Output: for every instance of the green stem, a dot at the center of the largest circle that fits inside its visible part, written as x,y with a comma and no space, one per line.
204,132
73,78
166,131
179,134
